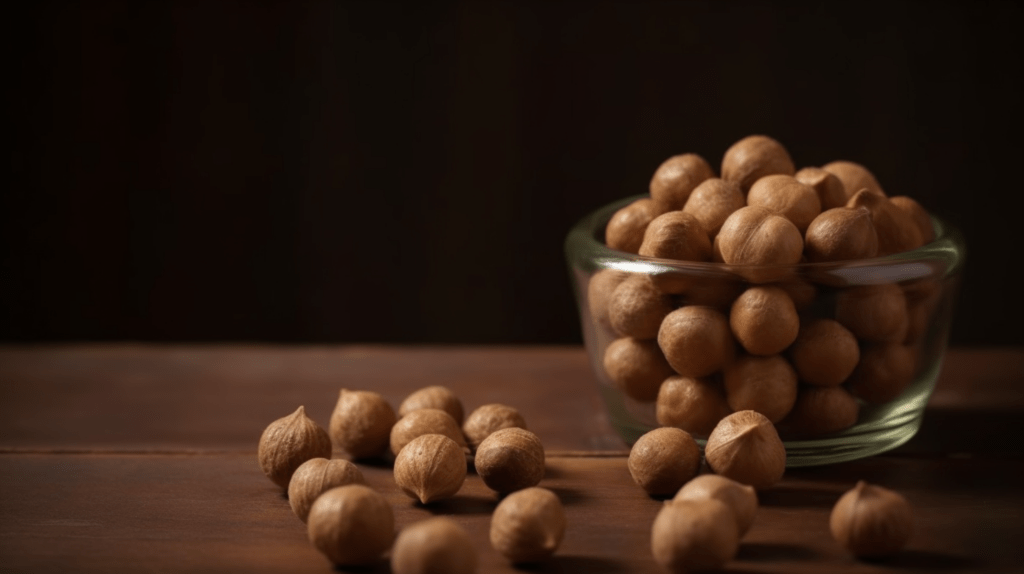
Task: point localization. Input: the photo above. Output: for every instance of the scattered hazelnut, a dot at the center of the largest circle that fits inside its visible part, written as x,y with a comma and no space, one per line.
431,467
871,521
746,448
740,498
287,443
636,367
841,234
361,423
528,525
696,340
764,320
784,195
693,405
314,477
676,177
637,308
830,190
662,460
819,411
433,397
712,201
754,157
754,235
917,214
854,176
824,353
436,545
896,229
625,230
694,535
676,235
599,293
763,384
883,373
352,525
874,312
510,459
421,422
488,418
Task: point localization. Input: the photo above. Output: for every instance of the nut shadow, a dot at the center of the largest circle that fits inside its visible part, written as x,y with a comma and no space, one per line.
460,504
927,561
574,564
804,496
773,551
569,496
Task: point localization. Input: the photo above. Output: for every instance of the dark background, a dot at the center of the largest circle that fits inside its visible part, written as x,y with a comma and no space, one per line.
407,173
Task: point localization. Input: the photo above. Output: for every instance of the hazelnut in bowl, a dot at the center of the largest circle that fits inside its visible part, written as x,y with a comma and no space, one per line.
810,296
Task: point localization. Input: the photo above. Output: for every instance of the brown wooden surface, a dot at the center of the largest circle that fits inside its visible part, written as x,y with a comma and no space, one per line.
142,458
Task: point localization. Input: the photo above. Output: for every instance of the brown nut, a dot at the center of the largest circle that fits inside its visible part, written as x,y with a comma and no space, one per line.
740,498
820,411
361,423
696,340
625,230
746,448
874,312
693,405
885,370
663,460
754,157
785,196
871,521
287,443
488,418
421,422
917,214
694,535
754,235
712,202
800,291
316,476
637,308
431,467
599,294
352,525
830,190
636,367
764,320
433,397
763,384
841,234
896,229
676,235
719,292
510,459
528,525
676,177
854,176
824,353
436,545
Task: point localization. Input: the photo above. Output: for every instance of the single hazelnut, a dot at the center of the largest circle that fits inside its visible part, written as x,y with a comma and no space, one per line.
764,320
885,370
316,476
854,176
676,235
599,293
637,308
841,234
696,340
785,196
488,418
663,460
754,235
712,202
510,459
871,521
433,397
637,368
528,525
436,545
287,443
917,214
740,498
361,423
766,385
754,157
693,405
352,525
625,230
421,422
676,177
746,448
800,291
830,190
874,312
824,353
820,411
431,467
896,229
694,536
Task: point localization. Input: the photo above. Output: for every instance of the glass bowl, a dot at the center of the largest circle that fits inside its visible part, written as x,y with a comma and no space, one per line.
893,377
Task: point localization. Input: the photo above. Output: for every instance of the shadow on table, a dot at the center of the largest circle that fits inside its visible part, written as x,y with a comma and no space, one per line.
929,561
973,431
773,551
573,564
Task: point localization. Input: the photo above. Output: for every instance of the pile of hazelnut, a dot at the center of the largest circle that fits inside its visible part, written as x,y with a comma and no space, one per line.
804,350
432,445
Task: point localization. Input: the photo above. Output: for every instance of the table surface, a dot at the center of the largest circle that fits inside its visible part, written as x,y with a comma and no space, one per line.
142,457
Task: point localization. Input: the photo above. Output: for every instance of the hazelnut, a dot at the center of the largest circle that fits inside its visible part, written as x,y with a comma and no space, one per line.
754,157
819,411
287,443
361,423
352,525
883,373
917,214
717,292
696,340
636,367
314,477
854,176
528,525
510,459
896,229
830,190
676,177
694,535
676,235
800,291
824,353
433,397
784,195
421,422
871,521
599,293
693,405
662,460
763,384
841,234
489,418
625,230
637,308
764,320
746,448
431,467
874,312
712,201
754,235
436,545
740,498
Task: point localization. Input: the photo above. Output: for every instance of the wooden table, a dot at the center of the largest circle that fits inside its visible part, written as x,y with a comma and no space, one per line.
131,458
